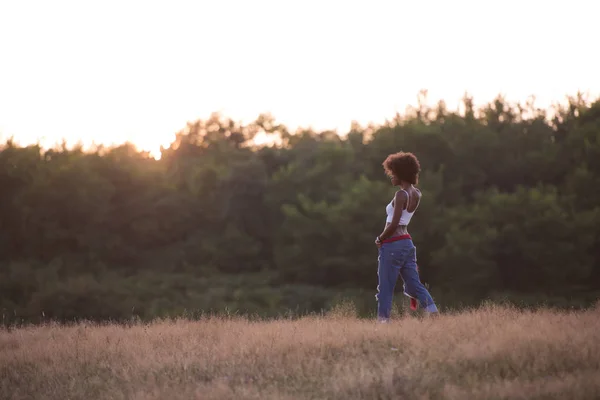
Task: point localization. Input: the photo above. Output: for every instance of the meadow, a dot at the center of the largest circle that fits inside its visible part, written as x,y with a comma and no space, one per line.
489,352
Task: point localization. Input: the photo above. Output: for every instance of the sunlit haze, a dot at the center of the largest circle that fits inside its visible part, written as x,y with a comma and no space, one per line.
115,71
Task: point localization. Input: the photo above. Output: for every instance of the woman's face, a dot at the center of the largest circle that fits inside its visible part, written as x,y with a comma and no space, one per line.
395,181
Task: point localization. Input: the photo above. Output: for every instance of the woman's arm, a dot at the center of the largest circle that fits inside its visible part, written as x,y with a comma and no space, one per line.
399,199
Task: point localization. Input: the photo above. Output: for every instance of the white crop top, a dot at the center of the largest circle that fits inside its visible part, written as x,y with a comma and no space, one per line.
405,216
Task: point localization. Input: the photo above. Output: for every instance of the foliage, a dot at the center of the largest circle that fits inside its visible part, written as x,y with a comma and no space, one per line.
511,207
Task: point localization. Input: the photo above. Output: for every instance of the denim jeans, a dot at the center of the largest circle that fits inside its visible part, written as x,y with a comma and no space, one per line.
400,258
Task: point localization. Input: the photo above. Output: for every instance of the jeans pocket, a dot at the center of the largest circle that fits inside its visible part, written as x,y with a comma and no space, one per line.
398,255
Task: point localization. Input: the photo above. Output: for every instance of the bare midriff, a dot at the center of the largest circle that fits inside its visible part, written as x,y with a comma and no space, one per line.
400,230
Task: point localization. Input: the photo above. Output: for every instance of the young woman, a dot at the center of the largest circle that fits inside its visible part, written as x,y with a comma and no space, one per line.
397,253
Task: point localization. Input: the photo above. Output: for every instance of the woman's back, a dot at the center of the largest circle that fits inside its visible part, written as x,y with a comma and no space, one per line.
411,203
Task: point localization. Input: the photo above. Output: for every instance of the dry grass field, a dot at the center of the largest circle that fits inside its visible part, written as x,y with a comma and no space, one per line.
493,352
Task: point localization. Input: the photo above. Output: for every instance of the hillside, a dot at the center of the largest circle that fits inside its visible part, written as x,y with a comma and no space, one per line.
490,352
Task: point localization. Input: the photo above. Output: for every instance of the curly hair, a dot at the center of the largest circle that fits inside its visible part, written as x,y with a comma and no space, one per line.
404,166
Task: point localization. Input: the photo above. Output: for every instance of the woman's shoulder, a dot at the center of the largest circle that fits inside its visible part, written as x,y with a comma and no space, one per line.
401,193
415,192
419,194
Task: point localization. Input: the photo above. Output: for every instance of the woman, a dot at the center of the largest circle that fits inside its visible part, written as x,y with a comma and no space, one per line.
397,253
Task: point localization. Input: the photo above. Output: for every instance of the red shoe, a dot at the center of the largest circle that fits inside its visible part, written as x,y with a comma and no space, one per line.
413,304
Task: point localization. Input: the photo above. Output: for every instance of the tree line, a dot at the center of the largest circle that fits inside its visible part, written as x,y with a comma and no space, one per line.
510,210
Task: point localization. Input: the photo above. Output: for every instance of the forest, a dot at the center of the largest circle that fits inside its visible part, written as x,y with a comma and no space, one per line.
510,212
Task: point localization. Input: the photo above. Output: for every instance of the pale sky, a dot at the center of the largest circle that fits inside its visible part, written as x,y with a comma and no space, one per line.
112,71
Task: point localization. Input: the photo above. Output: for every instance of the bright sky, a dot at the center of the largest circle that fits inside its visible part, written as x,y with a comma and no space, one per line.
110,71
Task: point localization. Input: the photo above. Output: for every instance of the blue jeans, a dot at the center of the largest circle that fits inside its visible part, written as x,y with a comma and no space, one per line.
400,258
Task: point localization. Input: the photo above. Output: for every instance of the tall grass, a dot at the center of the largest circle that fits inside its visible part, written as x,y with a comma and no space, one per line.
494,352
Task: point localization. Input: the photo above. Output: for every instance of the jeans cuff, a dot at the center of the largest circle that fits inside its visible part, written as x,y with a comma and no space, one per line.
431,308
